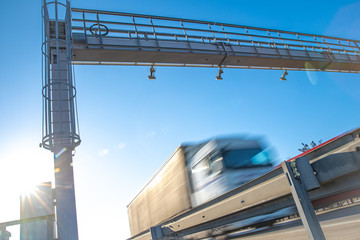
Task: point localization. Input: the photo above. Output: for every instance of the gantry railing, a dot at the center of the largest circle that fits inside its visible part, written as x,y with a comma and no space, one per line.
125,25
110,30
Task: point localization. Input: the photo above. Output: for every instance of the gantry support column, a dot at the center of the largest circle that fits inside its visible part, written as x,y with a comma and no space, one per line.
65,196
60,131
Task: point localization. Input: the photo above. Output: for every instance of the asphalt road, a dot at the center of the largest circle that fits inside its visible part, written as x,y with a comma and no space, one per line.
338,224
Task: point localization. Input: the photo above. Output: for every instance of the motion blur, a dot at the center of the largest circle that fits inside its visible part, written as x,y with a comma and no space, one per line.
196,174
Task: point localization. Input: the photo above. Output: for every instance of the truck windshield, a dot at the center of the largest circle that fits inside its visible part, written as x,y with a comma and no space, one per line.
245,158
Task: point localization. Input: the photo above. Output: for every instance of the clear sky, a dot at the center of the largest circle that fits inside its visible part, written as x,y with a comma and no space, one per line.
130,125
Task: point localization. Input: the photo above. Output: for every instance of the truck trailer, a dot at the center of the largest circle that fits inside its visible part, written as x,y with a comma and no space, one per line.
195,174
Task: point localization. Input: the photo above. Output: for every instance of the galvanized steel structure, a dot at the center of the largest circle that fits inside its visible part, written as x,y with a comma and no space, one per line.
60,131
103,37
81,36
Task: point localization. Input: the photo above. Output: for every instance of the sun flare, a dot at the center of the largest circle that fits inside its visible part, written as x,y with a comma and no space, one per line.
25,170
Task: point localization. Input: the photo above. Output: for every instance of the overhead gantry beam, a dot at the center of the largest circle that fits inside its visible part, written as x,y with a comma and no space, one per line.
102,37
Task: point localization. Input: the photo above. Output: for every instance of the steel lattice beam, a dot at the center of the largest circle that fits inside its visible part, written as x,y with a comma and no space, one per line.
101,37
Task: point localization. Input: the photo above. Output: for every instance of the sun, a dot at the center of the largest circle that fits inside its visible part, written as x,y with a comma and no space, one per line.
30,177
24,170
27,187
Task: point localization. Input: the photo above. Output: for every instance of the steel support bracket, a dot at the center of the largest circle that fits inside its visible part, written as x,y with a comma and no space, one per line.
307,173
156,233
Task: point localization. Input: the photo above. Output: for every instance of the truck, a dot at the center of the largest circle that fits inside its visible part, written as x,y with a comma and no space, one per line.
195,174
197,181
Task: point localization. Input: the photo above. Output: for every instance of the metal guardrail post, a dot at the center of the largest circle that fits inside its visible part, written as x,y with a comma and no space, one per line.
298,187
3,233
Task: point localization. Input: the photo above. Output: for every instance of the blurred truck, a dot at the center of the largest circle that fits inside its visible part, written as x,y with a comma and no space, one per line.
195,174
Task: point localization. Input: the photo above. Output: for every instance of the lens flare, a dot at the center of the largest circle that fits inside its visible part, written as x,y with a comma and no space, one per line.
59,153
311,74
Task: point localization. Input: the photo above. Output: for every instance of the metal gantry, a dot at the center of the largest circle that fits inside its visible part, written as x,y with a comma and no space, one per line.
81,36
103,37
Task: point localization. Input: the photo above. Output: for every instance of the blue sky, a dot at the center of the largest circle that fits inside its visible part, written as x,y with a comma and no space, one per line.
130,125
